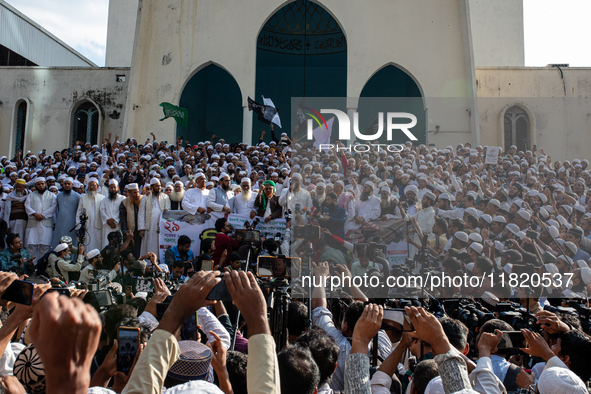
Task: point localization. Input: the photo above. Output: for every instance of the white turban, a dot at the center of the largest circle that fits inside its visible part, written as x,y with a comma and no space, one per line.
411,188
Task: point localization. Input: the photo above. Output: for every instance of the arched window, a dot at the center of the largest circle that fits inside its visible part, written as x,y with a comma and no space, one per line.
86,122
21,126
517,129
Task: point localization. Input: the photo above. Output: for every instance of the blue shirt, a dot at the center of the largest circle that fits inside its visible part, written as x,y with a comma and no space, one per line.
7,264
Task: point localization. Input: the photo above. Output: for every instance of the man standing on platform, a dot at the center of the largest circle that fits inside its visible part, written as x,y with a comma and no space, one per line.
14,213
195,199
176,198
221,198
109,208
40,206
244,201
90,201
132,218
67,203
155,204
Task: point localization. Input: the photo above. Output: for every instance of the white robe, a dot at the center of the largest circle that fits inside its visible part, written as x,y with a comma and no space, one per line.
94,229
195,198
368,210
151,242
40,234
242,207
110,210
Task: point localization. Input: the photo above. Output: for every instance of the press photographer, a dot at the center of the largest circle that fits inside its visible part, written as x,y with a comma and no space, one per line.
91,271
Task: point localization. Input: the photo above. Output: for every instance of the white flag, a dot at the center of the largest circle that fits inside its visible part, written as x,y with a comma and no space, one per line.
321,134
269,102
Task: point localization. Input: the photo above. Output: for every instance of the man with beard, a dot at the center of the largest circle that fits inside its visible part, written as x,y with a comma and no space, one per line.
132,218
40,206
244,201
411,192
267,202
90,203
156,203
66,219
424,219
109,209
221,198
14,213
320,195
195,199
176,197
367,208
515,193
294,195
96,263
389,208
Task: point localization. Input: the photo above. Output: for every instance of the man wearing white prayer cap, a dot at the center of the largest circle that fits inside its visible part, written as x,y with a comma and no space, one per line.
90,205
40,206
109,211
66,219
156,203
367,208
132,216
244,201
195,199
221,198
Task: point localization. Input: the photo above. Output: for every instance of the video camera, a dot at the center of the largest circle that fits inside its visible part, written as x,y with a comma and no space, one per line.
307,232
81,233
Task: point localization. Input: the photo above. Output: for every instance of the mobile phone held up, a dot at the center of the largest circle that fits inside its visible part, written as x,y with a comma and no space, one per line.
20,292
128,343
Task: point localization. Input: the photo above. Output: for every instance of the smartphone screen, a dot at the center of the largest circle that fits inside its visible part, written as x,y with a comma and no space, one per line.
511,340
144,285
206,265
19,291
128,342
399,317
189,328
60,291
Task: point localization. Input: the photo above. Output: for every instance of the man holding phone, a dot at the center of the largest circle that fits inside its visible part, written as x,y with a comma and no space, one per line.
15,247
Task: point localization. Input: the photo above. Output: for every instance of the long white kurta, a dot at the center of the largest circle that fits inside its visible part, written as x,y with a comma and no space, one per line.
242,207
151,243
425,219
193,199
368,210
110,210
291,199
40,234
95,235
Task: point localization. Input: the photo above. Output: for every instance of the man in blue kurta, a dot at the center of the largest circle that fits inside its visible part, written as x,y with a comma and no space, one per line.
67,204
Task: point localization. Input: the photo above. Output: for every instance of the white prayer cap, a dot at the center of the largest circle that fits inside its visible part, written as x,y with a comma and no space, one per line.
169,168
245,180
209,184
93,253
340,183
60,248
476,247
296,176
93,180
411,188
178,183
39,179
71,168
369,183
132,186
224,175
274,174
487,218
154,181
475,237
560,380
385,189
214,178
430,195
51,178
462,236
322,184
69,179
199,175
113,182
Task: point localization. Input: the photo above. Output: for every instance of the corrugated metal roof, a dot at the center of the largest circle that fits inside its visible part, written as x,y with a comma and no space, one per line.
22,35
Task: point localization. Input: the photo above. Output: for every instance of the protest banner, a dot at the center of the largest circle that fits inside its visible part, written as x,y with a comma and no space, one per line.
492,155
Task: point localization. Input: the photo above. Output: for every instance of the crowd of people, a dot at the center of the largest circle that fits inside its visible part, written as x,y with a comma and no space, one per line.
90,216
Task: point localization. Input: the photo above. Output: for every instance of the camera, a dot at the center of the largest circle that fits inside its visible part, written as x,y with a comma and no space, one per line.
307,232
17,257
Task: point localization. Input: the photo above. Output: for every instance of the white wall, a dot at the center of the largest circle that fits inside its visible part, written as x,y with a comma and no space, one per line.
428,39
53,93
562,122
121,32
497,32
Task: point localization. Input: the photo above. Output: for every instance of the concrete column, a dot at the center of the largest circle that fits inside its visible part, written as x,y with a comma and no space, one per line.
246,125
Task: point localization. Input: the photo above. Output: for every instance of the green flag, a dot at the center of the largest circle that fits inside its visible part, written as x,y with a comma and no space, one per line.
181,115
